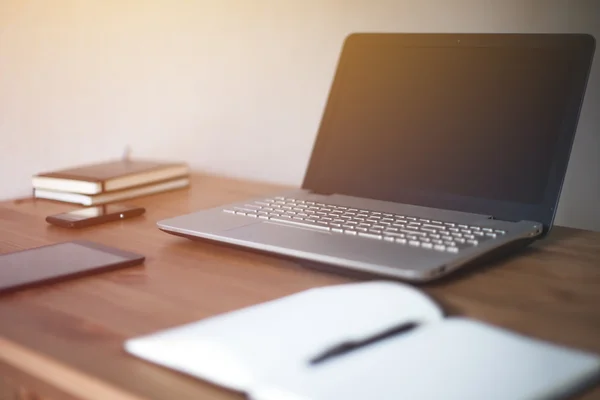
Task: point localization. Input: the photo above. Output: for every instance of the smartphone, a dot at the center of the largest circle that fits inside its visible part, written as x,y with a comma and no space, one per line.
90,216
42,265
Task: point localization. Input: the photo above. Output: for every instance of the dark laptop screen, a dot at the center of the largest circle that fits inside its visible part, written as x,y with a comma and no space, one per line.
473,121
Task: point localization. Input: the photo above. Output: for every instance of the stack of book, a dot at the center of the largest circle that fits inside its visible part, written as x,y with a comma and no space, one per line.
110,181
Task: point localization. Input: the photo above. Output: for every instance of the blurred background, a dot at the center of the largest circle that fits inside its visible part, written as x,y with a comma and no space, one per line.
234,87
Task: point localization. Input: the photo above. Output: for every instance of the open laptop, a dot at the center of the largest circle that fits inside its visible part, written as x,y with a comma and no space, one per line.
433,150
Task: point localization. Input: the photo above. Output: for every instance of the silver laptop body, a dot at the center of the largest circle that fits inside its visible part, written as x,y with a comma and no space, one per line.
434,150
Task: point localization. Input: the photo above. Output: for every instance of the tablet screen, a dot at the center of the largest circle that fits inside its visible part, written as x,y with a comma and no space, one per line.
61,260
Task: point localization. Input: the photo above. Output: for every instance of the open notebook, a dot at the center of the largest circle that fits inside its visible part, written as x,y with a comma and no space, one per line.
389,341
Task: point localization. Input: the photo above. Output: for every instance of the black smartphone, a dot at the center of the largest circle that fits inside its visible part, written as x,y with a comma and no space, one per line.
60,261
90,216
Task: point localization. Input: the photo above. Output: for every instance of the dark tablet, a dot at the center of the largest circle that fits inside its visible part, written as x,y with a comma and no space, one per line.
60,261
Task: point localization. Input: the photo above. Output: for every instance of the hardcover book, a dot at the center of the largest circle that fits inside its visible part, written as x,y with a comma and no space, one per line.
108,176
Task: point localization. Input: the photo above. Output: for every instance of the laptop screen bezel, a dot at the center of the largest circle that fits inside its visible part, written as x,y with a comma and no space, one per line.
582,46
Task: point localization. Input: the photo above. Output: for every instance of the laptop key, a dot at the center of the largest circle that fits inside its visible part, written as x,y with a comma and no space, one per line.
244,209
394,234
411,232
434,226
369,235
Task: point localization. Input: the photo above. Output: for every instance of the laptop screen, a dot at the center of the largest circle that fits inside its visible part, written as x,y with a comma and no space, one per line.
460,121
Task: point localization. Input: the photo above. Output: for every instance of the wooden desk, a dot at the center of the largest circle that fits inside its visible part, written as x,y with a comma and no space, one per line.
65,341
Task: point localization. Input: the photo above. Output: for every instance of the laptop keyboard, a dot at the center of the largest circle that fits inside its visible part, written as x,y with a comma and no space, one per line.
402,229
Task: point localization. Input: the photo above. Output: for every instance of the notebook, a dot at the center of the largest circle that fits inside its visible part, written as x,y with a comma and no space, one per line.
109,176
275,350
112,196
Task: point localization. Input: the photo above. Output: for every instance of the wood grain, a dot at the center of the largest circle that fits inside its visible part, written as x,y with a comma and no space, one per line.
550,291
70,380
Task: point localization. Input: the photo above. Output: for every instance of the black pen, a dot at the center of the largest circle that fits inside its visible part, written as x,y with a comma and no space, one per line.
346,347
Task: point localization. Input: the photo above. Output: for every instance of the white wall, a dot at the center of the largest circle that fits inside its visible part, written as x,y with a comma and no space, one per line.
232,86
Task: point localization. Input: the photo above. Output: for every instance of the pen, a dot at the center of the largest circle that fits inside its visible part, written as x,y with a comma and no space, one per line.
349,346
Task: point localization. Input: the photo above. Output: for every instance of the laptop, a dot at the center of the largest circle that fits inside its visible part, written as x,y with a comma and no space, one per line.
434,150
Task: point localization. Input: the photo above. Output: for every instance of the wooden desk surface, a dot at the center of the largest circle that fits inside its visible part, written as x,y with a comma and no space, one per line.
64,341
